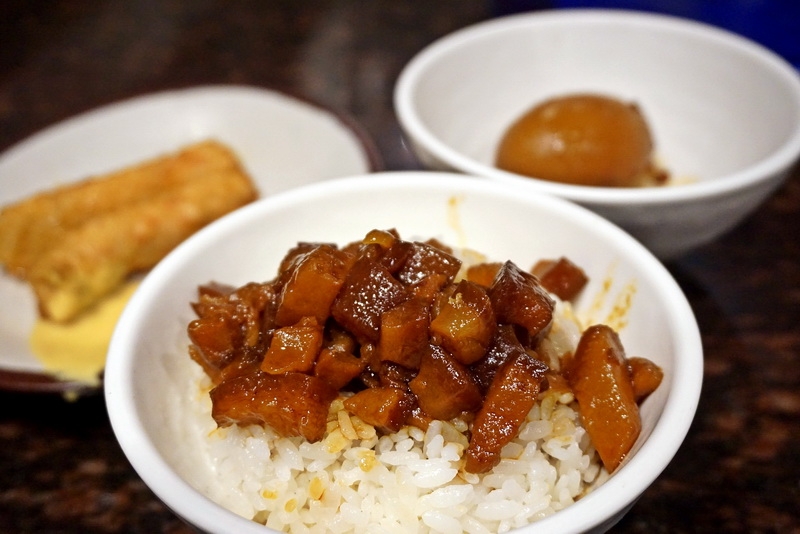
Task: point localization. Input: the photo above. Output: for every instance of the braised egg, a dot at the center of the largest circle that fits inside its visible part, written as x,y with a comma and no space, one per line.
583,139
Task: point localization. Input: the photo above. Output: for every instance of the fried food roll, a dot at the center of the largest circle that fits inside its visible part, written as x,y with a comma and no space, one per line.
29,228
96,257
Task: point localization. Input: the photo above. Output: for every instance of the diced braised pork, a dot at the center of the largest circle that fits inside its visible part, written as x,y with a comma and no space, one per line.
601,381
465,323
510,397
519,299
368,291
404,333
560,277
310,285
294,404
385,408
294,348
428,269
503,344
483,273
337,368
383,323
646,376
229,324
444,387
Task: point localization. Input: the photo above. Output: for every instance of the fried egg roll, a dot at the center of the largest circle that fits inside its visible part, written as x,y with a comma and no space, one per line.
29,228
96,257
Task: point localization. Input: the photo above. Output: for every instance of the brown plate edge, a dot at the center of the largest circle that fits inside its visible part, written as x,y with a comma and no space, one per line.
27,382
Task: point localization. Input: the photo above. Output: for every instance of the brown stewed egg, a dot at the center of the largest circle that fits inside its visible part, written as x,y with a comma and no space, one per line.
582,139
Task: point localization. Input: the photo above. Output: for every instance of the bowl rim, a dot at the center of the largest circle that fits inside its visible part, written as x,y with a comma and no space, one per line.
779,160
602,505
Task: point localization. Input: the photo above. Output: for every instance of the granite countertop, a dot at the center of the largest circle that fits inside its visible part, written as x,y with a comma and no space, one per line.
61,469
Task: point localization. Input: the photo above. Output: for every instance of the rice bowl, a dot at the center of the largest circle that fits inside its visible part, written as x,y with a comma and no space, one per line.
156,399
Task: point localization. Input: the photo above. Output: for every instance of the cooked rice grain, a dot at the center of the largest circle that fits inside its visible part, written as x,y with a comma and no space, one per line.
406,482
355,480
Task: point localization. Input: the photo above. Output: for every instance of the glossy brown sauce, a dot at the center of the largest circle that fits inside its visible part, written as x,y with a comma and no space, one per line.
401,335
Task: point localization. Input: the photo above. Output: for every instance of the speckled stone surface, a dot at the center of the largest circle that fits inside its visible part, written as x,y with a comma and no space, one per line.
61,469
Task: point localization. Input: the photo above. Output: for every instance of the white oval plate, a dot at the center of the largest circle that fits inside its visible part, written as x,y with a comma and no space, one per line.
282,141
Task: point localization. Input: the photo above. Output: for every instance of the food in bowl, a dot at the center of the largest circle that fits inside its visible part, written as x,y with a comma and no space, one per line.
726,151
395,370
163,420
78,243
582,139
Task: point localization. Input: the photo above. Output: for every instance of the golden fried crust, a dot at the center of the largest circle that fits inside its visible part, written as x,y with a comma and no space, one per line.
78,243
30,227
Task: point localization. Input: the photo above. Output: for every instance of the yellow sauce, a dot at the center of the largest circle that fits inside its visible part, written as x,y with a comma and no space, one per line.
617,315
77,350
454,219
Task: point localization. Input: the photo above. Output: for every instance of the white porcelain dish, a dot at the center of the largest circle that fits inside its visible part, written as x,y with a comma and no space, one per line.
724,111
283,142
148,384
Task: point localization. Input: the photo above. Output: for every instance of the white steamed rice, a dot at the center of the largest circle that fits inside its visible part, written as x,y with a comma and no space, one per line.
355,480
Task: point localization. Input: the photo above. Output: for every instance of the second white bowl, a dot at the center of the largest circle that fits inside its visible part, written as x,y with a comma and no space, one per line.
724,111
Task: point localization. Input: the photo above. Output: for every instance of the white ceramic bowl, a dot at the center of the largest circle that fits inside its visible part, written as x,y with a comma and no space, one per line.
147,381
724,111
